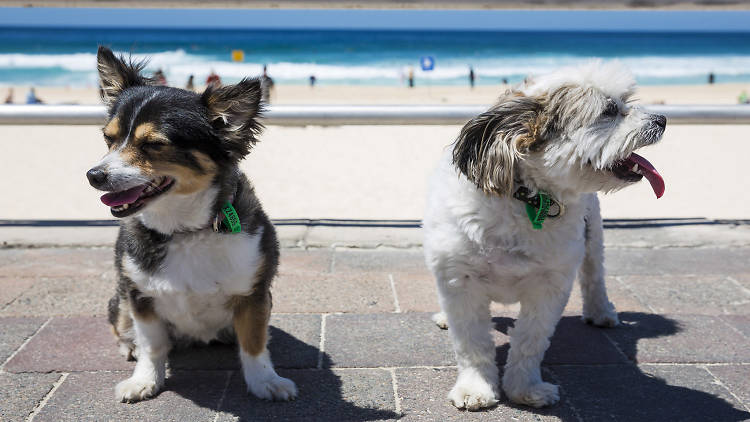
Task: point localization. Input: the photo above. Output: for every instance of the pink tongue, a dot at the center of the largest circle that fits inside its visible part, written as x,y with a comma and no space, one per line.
648,171
129,196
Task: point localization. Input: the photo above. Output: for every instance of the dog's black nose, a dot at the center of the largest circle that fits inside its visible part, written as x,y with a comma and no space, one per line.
97,177
660,120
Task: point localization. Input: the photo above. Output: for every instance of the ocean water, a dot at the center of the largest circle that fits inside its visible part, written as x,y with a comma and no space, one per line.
67,57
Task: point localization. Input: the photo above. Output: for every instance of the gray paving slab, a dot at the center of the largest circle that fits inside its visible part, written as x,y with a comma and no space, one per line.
323,292
416,291
324,395
64,295
573,343
377,340
363,237
14,332
424,391
188,396
624,299
688,294
59,262
70,344
649,393
683,233
380,260
304,260
22,392
649,338
741,323
294,343
12,287
673,261
736,378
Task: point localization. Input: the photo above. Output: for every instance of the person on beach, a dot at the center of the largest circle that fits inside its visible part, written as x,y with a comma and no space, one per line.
711,78
190,86
160,78
411,77
31,97
266,86
213,78
313,79
9,97
472,76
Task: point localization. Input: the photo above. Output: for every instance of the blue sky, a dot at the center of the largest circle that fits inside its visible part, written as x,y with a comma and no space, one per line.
381,19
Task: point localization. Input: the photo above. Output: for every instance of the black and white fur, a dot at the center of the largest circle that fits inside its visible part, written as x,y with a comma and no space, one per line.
178,278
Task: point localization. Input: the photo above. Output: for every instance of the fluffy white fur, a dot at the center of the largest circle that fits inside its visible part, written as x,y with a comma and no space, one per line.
481,247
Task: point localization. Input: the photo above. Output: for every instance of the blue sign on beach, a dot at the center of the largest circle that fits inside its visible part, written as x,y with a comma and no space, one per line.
427,62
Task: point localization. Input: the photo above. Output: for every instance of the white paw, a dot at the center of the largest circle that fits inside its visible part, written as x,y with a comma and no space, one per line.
537,395
273,388
136,389
606,317
441,320
473,395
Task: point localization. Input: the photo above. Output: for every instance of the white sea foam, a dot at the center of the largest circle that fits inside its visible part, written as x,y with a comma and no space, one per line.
80,68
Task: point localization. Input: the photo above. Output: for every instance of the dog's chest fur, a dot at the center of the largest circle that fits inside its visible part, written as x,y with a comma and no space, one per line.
199,274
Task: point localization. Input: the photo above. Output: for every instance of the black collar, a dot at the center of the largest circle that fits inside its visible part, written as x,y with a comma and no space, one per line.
523,194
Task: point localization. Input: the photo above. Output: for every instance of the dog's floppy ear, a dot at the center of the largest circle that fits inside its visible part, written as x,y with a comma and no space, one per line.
233,111
489,145
116,74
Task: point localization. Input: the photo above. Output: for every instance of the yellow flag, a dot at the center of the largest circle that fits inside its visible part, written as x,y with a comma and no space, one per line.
238,56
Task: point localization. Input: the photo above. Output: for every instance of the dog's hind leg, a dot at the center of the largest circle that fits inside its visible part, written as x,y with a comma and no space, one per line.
251,316
467,312
597,309
541,307
152,346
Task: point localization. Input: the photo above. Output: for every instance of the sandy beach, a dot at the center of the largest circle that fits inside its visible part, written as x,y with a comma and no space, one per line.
374,172
719,93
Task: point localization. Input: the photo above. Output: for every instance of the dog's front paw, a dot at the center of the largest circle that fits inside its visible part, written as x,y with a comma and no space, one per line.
536,395
441,320
472,394
136,389
606,317
273,388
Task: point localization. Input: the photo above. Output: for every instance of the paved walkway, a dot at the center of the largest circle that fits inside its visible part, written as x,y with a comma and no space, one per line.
351,327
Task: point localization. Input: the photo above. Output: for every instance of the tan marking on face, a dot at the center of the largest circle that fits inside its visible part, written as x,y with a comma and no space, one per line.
112,129
188,179
131,155
148,132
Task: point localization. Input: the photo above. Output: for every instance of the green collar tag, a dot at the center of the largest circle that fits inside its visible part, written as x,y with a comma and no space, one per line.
232,220
537,216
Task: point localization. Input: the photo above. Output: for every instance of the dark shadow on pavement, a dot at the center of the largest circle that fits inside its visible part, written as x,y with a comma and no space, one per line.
601,386
321,397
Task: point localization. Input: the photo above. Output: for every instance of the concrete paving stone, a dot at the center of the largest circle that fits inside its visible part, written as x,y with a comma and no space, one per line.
321,292
14,332
743,279
294,343
573,343
324,395
739,322
364,237
619,295
703,294
648,338
381,260
675,233
71,344
187,396
293,261
736,378
12,287
673,261
64,296
56,236
22,392
424,392
377,340
650,393
416,291
59,262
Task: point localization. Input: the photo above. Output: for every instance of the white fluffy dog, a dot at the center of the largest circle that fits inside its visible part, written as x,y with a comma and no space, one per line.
512,216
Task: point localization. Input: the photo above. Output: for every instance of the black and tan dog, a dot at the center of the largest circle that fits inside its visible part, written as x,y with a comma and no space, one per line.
196,254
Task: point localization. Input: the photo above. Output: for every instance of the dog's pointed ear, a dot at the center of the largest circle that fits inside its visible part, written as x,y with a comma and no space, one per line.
489,145
234,111
116,74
